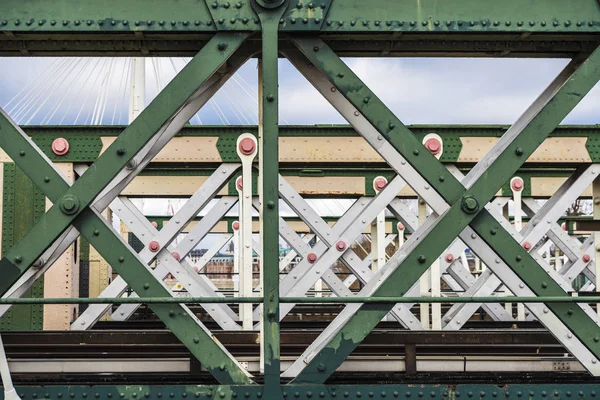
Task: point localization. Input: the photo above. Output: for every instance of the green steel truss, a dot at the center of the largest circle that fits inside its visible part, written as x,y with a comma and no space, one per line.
313,35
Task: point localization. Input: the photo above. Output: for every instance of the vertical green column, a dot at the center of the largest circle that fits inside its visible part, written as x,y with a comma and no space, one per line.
23,204
268,136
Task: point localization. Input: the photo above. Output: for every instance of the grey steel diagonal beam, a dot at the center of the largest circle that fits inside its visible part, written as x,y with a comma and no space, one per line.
323,230
457,274
535,230
69,204
511,151
168,262
141,227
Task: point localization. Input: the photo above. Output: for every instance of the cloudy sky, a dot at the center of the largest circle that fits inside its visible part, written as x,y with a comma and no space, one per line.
418,90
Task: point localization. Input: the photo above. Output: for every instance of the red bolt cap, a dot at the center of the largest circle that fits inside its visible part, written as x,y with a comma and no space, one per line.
586,258
517,184
154,246
155,224
380,183
60,146
312,258
176,256
239,182
196,269
434,146
527,246
449,258
247,146
341,245
236,225
400,226
564,226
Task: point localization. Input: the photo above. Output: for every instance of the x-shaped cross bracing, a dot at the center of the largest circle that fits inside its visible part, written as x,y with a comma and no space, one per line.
459,205
76,205
537,228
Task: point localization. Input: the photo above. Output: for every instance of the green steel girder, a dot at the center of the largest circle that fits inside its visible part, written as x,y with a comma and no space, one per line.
444,391
347,16
86,144
466,204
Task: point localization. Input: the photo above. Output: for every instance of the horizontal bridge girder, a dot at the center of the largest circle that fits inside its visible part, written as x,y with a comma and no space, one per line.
319,144
198,16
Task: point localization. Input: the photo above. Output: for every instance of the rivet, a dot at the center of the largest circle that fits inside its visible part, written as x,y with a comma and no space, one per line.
518,258
146,286
422,259
519,151
121,259
96,232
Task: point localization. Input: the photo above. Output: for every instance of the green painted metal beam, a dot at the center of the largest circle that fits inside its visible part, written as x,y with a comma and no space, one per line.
344,16
305,300
445,391
86,141
268,142
467,204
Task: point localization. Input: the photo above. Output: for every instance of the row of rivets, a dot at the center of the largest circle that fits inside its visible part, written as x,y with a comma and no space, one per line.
305,20
322,394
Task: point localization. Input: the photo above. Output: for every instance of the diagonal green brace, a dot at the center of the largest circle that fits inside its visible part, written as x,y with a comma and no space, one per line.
467,205
67,205
109,244
125,261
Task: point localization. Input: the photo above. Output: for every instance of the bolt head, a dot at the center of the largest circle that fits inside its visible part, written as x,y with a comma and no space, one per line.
434,146
239,183
235,225
247,146
176,256
341,245
154,246
586,258
69,204
527,246
60,146
449,258
470,204
312,258
400,226
379,183
517,184
155,224
564,226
